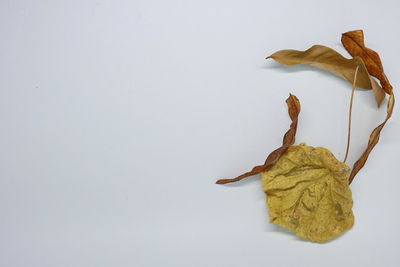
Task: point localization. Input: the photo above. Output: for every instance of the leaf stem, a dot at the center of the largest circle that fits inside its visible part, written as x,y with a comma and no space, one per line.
350,110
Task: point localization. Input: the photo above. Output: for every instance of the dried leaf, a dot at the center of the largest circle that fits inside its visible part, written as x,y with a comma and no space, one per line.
294,109
373,140
308,193
325,58
379,93
353,41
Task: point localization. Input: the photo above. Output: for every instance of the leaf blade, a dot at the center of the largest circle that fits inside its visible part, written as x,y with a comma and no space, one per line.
325,58
378,91
308,193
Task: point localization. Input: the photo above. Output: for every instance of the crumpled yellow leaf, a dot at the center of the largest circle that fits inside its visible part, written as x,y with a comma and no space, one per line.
326,58
308,192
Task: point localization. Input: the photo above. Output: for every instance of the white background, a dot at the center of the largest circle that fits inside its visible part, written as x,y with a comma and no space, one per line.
117,117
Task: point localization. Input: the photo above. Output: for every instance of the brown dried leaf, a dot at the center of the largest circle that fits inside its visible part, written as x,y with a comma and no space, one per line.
308,193
373,140
353,41
293,109
379,93
325,58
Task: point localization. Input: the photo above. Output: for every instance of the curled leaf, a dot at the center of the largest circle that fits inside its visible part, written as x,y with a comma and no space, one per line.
308,193
353,41
373,140
293,109
325,58
379,93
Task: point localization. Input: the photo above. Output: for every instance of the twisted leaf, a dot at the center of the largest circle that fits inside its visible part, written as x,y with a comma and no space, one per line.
373,140
294,109
353,41
325,58
379,93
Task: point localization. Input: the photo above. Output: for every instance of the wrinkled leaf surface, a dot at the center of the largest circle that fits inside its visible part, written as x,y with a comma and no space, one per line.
308,193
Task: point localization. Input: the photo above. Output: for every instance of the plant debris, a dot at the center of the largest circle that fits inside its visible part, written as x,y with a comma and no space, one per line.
307,188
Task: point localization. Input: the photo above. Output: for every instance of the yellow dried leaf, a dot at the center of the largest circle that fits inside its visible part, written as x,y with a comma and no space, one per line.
308,193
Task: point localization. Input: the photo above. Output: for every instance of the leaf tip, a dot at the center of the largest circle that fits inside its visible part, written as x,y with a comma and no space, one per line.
221,181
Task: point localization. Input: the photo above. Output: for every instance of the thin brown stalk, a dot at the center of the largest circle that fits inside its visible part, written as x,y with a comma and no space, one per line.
350,111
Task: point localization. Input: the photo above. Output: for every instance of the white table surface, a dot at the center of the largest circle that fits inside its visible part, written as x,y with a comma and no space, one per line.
117,117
